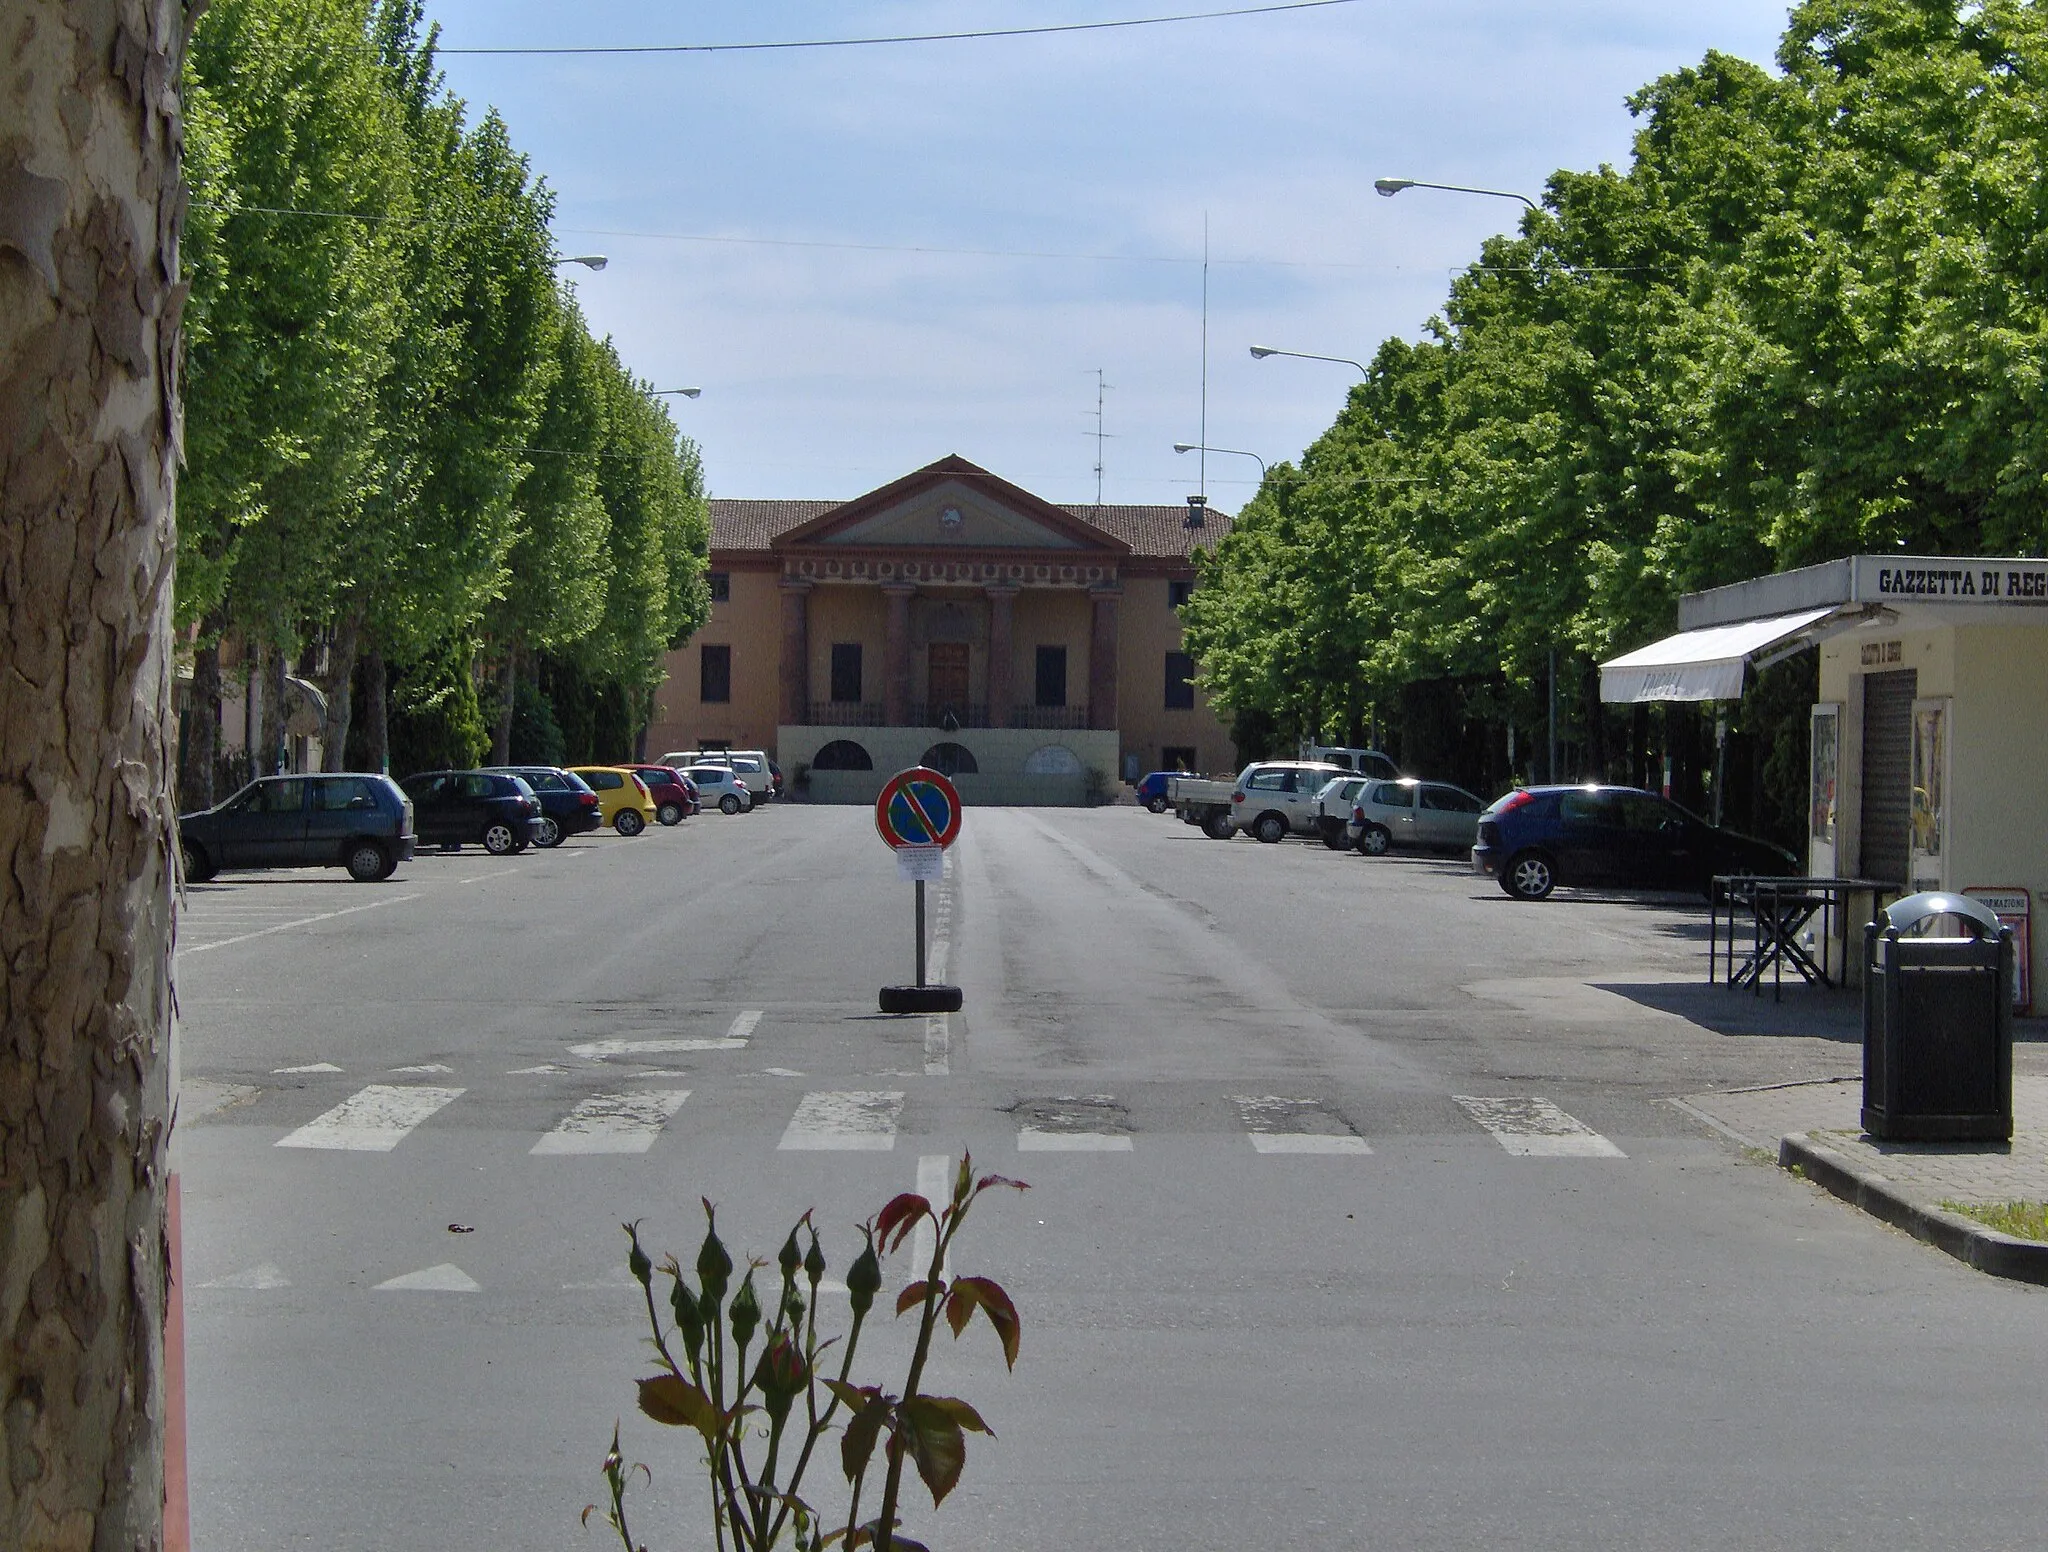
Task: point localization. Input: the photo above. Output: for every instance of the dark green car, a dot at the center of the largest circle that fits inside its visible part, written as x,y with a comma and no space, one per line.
359,822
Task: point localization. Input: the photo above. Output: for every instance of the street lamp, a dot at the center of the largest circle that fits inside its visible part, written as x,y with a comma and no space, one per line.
1389,187
1238,452
688,393
1260,352
587,260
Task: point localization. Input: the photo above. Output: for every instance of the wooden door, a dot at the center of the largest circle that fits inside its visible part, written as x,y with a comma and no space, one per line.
946,688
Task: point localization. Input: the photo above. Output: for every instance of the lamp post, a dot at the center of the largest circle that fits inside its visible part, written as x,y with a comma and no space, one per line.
1388,188
1235,452
587,260
1260,352
688,393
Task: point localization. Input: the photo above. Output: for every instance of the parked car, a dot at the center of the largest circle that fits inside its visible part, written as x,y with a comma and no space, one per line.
454,808
1536,838
775,778
1360,762
350,820
1333,809
670,790
1408,812
1152,790
623,798
1273,799
567,805
751,766
721,784
1203,801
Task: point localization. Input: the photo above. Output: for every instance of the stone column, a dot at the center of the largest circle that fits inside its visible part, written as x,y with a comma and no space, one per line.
1102,657
897,674
1001,653
796,652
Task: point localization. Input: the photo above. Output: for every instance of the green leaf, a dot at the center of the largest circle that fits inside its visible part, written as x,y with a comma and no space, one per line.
961,1413
857,1444
935,1441
674,1401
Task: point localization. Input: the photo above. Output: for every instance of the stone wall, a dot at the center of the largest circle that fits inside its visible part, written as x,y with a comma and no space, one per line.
1014,767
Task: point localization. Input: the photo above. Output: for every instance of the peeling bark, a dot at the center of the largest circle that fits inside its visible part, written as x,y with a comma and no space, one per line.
91,204
341,669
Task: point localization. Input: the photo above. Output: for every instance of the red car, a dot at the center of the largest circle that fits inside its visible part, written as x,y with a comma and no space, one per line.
674,794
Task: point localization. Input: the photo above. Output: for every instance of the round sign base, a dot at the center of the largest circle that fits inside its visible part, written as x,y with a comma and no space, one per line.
921,999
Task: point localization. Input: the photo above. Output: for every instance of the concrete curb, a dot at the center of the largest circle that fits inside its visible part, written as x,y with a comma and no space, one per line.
1970,1242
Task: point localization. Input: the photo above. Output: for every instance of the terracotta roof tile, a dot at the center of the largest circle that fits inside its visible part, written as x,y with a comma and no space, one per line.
1148,530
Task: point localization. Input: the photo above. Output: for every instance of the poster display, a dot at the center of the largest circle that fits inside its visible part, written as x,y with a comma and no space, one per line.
1826,773
1930,792
2014,908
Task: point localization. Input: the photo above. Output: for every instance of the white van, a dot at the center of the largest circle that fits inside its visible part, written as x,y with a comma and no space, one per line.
1364,762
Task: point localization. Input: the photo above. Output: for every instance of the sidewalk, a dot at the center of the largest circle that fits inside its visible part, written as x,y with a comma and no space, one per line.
1815,1129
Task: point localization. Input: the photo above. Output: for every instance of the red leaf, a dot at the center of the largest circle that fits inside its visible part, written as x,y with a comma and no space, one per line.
961,1413
857,1444
853,1397
936,1444
960,1304
1002,1314
912,1296
899,1218
670,1399
1000,1180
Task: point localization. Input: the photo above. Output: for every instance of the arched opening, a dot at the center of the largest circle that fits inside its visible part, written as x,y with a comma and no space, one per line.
1052,760
950,760
842,754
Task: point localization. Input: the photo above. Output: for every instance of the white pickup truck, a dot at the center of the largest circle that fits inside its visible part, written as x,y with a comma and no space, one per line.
1271,799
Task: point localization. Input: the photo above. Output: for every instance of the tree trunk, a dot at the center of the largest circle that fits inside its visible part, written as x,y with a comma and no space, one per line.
202,724
91,201
341,671
508,688
270,757
376,718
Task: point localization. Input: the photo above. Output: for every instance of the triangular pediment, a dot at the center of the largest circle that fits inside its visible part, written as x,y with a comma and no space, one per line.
951,504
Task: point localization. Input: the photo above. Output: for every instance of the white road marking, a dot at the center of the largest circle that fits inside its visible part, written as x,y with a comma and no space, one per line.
527,1072
429,1067
614,1123
938,1046
312,1067
1537,1129
782,1072
373,1120
599,1050
303,921
1278,1125
935,1185
267,1275
445,1278
743,1026
863,1121
1032,1139
942,929
617,1280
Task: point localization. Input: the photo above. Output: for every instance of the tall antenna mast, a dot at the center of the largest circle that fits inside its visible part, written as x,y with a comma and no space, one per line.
1204,457
1101,387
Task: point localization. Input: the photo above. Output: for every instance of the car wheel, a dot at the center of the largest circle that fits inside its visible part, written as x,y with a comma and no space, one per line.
1219,827
1528,876
628,821
728,804
670,814
1271,828
368,861
499,840
547,834
1335,838
198,867
1375,840
1155,805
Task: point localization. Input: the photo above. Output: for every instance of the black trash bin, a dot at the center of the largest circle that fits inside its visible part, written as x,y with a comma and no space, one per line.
1937,1024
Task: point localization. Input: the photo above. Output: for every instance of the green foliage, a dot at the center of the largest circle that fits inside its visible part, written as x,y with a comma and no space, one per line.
760,1419
1809,319
436,721
536,735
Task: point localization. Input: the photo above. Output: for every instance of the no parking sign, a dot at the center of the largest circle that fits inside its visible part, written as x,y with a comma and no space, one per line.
918,807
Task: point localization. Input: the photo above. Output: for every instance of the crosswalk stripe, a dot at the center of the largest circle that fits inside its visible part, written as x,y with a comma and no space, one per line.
372,1120
1278,1125
862,1121
614,1123
1535,1128
743,1026
1037,1139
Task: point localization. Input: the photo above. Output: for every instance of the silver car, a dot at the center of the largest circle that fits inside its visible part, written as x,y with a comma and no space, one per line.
1423,814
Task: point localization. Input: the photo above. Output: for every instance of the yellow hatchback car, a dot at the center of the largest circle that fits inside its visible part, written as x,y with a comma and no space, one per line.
623,801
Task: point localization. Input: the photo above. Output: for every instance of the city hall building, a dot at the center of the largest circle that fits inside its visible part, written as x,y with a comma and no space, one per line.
953,619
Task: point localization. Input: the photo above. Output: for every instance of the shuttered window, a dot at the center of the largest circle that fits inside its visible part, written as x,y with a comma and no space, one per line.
1888,772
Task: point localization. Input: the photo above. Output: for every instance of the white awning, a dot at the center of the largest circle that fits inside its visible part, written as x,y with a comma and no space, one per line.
1700,665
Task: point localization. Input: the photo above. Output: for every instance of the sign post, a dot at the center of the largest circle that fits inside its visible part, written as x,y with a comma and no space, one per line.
918,815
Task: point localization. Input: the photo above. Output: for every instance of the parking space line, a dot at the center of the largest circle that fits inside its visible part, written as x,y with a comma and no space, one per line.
304,921
938,1046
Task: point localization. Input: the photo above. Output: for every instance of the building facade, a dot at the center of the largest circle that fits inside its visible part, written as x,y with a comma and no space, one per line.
952,618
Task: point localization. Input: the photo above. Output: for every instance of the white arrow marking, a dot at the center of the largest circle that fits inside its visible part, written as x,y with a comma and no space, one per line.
445,1278
315,1067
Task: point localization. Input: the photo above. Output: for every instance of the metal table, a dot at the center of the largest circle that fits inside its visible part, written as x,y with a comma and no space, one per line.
1778,912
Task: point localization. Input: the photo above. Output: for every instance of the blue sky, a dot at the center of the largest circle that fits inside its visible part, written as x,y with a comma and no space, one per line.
763,212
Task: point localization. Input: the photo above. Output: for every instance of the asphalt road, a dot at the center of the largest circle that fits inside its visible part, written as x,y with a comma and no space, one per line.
1359,1217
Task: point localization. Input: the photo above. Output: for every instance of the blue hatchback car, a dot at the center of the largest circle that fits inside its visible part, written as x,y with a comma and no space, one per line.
1152,790
1536,838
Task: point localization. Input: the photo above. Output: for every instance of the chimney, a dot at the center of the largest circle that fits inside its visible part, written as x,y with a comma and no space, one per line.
1197,510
